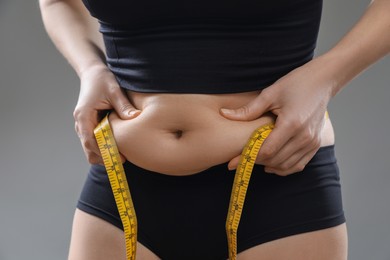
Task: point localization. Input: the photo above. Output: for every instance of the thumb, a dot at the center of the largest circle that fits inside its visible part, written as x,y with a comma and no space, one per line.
123,107
253,110
233,163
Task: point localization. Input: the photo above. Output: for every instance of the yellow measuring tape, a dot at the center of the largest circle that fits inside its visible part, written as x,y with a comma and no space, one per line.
241,182
120,188
119,185
240,185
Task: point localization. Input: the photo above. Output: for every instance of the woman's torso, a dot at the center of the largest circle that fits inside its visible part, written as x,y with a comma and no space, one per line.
181,134
203,47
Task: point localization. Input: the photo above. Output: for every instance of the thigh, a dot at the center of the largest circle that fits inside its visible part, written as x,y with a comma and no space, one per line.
325,244
94,238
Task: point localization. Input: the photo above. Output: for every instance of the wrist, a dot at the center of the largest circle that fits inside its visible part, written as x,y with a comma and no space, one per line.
92,67
336,71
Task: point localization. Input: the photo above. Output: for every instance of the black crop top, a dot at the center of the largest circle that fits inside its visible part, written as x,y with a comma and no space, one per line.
205,46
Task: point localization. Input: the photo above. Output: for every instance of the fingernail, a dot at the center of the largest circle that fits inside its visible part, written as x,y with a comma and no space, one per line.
226,111
133,112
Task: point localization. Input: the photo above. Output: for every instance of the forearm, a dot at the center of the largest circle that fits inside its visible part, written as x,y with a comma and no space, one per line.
365,43
74,32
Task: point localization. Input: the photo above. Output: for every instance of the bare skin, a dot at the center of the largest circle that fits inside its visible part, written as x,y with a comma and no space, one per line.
189,129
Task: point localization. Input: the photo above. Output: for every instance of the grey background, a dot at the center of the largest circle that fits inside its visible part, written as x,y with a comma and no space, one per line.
43,166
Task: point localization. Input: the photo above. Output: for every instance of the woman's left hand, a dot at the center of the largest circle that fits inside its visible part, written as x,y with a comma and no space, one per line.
299,100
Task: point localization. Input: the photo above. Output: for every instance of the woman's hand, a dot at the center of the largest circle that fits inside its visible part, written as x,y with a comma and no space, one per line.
99,91
299,100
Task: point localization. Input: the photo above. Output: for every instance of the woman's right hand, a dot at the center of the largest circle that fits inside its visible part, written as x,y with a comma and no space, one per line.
99,91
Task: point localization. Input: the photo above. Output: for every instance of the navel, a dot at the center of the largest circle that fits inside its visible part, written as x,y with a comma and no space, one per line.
178,134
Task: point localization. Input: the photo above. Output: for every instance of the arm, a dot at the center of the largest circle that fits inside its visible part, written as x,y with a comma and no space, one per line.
75,34
299,99
365,43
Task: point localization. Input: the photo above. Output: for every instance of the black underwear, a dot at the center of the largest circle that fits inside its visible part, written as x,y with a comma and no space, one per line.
183,217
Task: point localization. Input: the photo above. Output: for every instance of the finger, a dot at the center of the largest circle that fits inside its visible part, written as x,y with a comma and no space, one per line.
234,162
91,156
288,163
293,150
253,110
85,124
94,159
297,167
275,141
122,105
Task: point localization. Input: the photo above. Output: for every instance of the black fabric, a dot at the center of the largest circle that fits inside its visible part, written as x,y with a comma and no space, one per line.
184,217
199,46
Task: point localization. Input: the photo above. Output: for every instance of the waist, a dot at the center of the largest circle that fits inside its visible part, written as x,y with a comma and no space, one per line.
182,134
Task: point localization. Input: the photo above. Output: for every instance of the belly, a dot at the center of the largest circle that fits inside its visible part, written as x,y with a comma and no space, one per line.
182,134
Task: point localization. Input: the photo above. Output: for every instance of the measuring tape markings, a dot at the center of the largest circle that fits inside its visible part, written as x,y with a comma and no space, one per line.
241,182
240,185
119,185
